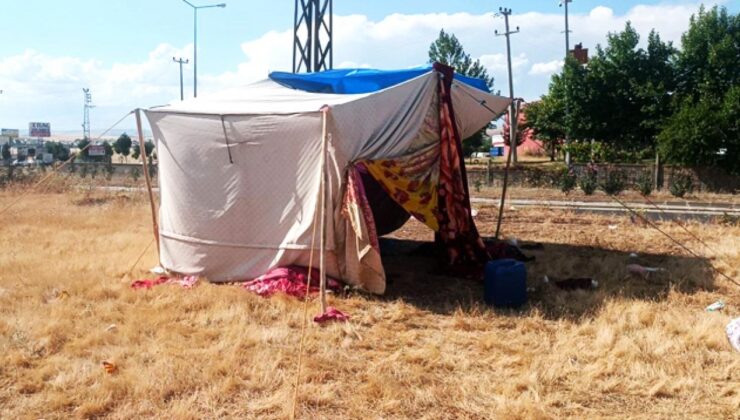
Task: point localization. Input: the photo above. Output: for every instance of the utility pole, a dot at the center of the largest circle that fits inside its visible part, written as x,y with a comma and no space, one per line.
86,115
564,4
180,61
512,110
512,116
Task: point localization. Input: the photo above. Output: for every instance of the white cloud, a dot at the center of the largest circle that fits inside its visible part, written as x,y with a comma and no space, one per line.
41,86
547,68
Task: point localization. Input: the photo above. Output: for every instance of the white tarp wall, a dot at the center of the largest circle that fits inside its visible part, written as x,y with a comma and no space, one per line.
239,173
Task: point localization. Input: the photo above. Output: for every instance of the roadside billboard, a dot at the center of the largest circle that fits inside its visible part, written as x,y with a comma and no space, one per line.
9,132
39,129
98,150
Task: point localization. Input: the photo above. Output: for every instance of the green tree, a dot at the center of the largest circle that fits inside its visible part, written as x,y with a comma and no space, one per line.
6,151
621,98
566,108
122,145
448,50
545,118
478,142
108,151
705,134
704,128
57,149
629,90
709,61
655,92
83,146
148,146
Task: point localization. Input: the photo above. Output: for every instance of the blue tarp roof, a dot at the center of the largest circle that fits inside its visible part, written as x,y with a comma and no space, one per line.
359,80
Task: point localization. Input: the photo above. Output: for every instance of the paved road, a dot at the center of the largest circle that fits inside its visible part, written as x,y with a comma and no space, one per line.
665,210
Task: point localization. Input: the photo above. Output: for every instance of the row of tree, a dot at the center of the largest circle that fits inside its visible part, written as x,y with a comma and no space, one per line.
122,146
683,103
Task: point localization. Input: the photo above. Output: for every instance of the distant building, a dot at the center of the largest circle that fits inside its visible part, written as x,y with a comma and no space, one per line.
528,144
580,53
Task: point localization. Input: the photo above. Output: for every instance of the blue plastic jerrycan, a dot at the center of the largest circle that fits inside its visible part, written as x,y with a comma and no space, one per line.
505,283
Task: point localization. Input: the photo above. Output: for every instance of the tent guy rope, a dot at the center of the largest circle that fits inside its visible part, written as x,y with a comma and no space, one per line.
681,225
317,214
141,255
148,180
675,241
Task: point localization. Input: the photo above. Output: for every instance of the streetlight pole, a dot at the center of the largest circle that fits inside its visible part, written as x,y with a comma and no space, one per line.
180,61
195,40
564,4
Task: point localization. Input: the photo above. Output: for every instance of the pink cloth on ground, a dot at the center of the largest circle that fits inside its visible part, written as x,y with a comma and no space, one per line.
148,284
187,282
331,314
290,280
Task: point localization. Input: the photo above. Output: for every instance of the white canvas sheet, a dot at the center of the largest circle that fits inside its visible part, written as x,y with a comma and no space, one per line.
239,172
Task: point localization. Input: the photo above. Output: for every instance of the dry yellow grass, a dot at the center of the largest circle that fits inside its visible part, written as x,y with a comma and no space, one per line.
631,349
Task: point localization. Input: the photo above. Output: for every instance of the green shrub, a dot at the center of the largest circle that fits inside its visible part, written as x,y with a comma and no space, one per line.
729,219
135,174
588,179
644,183
681,184
580,151
109,171
614,182
567,180
597,151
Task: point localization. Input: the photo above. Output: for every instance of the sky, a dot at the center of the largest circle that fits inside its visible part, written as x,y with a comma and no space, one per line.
122,49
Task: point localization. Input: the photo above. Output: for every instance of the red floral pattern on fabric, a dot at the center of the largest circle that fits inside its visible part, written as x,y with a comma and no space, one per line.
355,196
457,231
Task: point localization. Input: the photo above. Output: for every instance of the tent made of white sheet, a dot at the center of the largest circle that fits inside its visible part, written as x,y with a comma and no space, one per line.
240,171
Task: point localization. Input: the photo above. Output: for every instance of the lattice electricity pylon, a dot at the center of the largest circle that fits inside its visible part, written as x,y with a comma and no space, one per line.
86,116
313,36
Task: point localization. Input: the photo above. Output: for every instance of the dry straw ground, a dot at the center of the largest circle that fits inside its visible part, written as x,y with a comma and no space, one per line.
633,348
